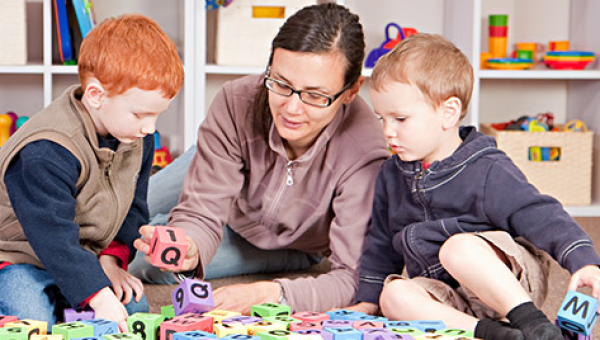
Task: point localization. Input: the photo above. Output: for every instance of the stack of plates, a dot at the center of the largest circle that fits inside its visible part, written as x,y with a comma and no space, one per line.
509,63
568,60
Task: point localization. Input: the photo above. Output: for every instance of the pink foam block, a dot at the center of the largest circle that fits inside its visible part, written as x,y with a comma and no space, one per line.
169,246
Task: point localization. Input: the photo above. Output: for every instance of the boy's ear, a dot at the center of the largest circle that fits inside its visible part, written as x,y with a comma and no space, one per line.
94,94
353,90
452,110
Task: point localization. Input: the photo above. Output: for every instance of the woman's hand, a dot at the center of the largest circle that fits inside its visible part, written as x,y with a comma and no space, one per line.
588,276
106,306
192,255
240,297
125,285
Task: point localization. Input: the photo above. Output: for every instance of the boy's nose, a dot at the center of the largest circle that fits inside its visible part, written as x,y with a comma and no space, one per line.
148,130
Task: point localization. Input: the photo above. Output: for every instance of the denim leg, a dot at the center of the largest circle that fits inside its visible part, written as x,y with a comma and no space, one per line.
165,186
236,256
29,293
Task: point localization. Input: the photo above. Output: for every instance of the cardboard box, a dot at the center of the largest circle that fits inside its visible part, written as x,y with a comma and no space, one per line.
568,179
13,33
246,28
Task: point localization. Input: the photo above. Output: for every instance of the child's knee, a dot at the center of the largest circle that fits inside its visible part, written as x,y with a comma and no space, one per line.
397,295
457,248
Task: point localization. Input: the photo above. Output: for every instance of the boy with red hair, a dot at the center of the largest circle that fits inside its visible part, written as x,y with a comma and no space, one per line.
73,180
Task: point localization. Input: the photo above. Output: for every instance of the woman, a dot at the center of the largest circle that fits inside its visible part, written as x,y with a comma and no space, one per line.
283,171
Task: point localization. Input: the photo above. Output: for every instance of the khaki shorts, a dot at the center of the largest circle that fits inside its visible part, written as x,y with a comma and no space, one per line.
529,265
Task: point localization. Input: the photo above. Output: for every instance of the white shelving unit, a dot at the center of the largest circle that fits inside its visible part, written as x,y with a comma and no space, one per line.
497,96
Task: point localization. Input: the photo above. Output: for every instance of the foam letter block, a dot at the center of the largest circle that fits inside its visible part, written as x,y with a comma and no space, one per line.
102,326
456,332
14,333
392,336
184,323
89,338
405,330
146,325
75,329
367,317
45,337
392,324
344,314
578,313
239,337
375,333
311,316
263,326
428,326
169,246
167,311
315,333
270,309
304,325
243,319
193,335
299,336
280,334
193,296
368,324
229,328
122,336
341,334
282,319
220,315
7,318
337,323
32,326
568,335
71,315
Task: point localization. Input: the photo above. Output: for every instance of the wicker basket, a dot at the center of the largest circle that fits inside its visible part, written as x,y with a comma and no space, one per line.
569,179
13,32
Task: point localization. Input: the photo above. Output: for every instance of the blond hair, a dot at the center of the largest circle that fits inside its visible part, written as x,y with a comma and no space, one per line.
431,63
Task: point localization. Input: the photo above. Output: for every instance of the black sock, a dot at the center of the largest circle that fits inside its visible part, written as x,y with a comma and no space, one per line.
489,329
533,322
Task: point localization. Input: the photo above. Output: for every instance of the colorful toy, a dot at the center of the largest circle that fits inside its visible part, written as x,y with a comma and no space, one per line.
169,246
509,64
21,121
185,323
568,60
578,312
214,4
7,318
162,156
31,326
575,125
389,43
498,32
270,309
102,326
146,325
193,296
75,329
71,314
5,124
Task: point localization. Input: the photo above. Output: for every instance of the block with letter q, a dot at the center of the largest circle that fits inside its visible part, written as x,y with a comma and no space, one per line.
168,247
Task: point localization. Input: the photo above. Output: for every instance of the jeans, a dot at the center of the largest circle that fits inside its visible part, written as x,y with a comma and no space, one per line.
30,293
234,256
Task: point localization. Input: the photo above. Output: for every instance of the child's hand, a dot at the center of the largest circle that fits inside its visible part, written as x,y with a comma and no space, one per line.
192,256
106,306
365,307
588,276
124,284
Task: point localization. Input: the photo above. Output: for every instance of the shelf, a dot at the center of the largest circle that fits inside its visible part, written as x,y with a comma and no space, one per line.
540,74
26,69
64,69
233,70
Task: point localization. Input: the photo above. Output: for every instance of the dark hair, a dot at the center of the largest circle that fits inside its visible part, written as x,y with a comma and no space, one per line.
321,29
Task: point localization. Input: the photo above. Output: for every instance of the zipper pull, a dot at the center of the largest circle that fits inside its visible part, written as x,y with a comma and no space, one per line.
107,171
290,179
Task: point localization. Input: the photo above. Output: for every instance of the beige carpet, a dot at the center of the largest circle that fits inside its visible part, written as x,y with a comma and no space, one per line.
160,295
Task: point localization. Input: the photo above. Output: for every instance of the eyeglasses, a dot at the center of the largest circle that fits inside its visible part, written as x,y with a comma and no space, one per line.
309,97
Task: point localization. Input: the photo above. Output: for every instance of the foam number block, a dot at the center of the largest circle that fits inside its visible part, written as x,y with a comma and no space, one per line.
341,334
71,315
568,335
32,326
193,335
344,314
75,329
146,325
14,333
121,336
282,319
229,328
367,317
375,333
193,296
167,311
578,313
169,245
404,330
102,326
368,324
7,318
337,323
243,319
311,316
270,309
184,323
312,333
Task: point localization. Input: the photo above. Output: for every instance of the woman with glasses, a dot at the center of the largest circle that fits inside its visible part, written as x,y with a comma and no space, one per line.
282,174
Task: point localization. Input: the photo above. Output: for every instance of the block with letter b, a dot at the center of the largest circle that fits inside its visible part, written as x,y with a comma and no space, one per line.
578,313
168,247
193,296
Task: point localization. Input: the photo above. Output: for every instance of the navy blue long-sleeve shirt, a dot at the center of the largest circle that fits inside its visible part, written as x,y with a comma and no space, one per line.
41,186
